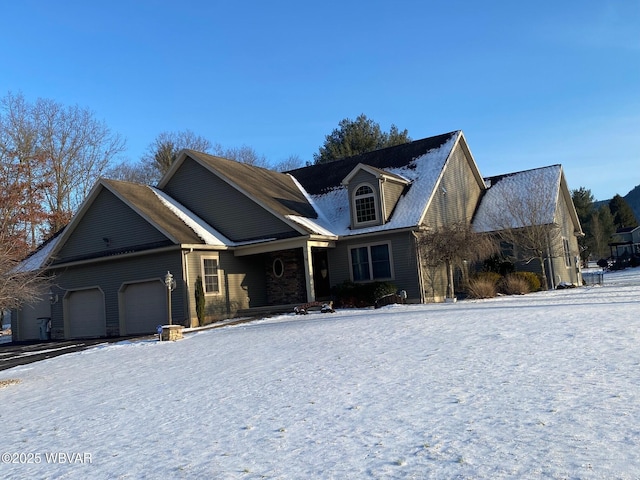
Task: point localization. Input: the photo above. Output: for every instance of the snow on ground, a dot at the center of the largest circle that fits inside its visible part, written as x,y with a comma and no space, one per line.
545,385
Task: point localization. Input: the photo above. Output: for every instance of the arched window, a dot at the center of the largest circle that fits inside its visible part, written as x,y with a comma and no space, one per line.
365,204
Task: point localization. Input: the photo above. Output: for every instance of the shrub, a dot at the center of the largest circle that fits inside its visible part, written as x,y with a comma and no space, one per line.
200,301
499,265
532,279
350,294
514,284
492,277
482,288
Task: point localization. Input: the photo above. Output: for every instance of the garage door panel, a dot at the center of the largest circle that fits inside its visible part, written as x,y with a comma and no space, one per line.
144,307
86,316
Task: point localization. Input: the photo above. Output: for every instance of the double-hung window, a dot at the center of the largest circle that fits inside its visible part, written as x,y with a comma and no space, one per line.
371,262
365,205
210,275
567,252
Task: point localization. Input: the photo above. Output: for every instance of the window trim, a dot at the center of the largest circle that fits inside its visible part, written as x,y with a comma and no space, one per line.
202,272
567,252
371,277
279,262
376,200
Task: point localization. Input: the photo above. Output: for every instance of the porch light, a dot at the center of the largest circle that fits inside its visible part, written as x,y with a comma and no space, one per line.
53,297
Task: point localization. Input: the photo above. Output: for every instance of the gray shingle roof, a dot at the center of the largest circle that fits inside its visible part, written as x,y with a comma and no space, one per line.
275,190
317,179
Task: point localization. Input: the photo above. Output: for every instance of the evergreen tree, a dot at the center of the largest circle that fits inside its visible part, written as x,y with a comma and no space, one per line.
355,137
623,216
601,228
583,203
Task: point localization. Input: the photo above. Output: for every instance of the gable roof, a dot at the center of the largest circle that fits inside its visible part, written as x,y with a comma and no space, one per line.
275,191
538,188
420,164
376,172
173,220
318,179
144,201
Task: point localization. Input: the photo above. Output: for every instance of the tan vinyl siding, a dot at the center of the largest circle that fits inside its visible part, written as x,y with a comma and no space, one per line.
109,225
242,283
391,194
403,257
563,272
109,277
223,207
456,195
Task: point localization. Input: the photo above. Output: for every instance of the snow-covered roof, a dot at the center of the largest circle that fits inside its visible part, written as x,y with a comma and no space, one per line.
516,200
422,172
38,259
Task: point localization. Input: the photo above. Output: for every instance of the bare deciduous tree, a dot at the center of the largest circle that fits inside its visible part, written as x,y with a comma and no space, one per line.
450,245
61,152
17,285
163,151
138,172
523,215
244,154
290,163
78,149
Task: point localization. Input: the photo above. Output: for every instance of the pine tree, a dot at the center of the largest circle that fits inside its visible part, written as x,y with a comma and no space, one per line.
583,203
623,216
356,137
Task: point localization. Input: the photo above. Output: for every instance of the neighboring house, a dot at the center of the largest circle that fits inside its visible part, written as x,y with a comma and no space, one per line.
625,244
541,198
257,239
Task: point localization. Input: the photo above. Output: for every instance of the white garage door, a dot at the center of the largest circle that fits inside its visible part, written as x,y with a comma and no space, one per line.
145,307
86,318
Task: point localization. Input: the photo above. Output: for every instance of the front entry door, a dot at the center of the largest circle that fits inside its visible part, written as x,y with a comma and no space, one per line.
321,281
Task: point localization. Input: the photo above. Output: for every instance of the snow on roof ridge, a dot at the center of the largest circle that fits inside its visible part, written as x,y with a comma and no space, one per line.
206,232
38,258
321,216
422,172
308,223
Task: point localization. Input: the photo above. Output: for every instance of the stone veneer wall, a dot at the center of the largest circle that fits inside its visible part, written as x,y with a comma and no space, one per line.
290,288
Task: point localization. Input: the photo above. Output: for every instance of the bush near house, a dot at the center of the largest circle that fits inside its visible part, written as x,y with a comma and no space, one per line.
482,288
356,295
534,281
488,284
200,301
513,284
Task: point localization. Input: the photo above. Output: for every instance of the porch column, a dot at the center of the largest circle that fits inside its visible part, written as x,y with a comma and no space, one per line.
308,273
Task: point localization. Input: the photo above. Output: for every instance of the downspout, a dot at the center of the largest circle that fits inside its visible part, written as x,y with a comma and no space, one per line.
185,275
419,262
552,273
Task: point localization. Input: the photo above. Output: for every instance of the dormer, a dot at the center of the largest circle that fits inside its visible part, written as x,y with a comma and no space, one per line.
373,194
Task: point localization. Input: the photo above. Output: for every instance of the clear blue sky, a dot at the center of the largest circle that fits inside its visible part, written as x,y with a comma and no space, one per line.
529,83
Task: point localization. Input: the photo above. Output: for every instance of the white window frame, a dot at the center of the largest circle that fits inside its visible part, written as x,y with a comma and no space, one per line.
567,252
376,209
204,276
371,277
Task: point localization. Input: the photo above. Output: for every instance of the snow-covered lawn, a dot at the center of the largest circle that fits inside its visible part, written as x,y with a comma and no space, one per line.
539,386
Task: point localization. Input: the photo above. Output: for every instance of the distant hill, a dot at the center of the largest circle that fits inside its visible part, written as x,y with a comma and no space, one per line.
632,198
